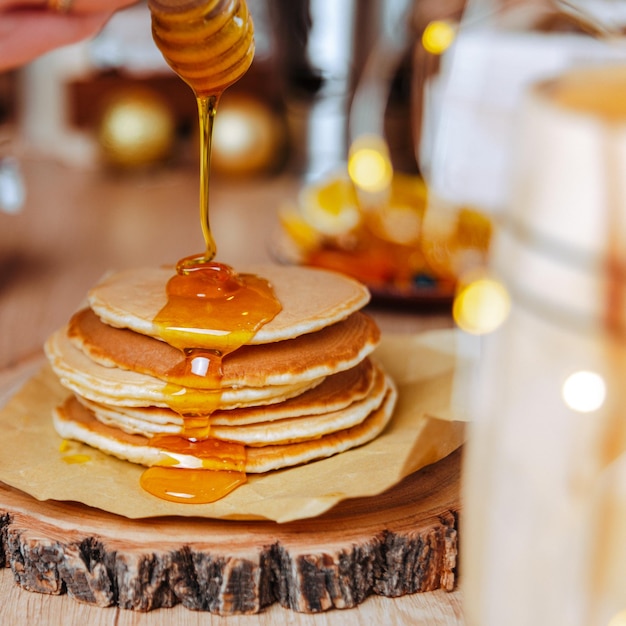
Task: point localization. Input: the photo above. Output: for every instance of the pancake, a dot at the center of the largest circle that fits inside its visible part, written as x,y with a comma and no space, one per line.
274,431
334,393
111,385
311,299
302,388
74,421
332,349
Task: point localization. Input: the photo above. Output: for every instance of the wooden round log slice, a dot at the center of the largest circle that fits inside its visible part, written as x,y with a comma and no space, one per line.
403,541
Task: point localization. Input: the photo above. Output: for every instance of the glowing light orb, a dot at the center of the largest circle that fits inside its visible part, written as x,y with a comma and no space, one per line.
330,205
369,165
136,129
584,392
248,137
481,306
235,133
438,36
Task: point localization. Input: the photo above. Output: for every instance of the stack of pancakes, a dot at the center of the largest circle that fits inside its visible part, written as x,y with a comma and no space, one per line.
304,388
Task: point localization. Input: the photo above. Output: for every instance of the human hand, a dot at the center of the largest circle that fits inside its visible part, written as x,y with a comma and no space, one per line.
30,28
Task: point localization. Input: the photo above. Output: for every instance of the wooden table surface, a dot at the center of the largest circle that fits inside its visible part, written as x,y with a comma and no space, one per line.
78,224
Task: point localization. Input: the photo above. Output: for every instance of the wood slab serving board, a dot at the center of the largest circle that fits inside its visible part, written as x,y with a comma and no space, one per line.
401,542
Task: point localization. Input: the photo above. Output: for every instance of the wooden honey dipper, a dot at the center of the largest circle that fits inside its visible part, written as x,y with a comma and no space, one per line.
210,45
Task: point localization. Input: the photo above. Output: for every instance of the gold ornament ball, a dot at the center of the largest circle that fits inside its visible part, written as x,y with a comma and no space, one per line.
136,129
248,137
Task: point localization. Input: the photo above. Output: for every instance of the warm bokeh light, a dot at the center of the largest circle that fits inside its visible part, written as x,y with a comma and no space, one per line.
438,36
369,165
330,205
136,128
619,619
585,391
248,137
400,224
304,235
481,306
234,134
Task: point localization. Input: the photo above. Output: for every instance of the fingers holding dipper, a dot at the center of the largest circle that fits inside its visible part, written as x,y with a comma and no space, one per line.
30,28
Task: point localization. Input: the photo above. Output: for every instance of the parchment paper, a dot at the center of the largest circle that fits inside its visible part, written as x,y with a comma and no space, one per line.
425,428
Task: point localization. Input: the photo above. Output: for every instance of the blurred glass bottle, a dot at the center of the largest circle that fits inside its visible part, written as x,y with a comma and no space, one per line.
321,49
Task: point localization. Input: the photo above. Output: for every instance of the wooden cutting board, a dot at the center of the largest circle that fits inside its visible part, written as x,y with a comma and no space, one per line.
403,541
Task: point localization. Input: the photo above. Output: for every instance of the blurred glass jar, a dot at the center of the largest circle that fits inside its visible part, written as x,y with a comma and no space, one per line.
468,90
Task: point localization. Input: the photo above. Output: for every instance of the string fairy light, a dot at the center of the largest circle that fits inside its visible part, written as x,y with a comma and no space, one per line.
369,164
481,305
584,392
438,36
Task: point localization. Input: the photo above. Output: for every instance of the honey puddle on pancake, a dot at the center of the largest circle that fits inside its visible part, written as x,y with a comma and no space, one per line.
225,309
190,486
210,45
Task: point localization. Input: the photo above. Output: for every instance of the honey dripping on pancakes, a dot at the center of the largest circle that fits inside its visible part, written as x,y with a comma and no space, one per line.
211,310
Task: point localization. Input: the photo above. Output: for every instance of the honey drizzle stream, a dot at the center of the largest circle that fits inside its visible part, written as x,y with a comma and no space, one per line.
210,45
204,296
207,109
